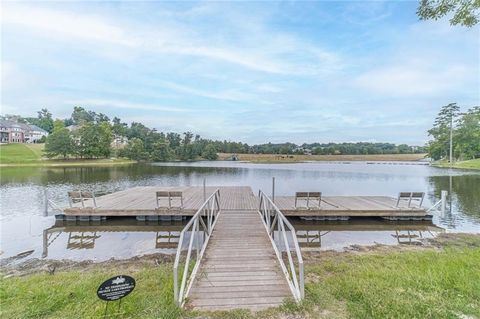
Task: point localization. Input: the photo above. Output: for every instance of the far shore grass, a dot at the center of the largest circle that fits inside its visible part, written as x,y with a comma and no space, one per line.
32,155
470,164
438,280
290,158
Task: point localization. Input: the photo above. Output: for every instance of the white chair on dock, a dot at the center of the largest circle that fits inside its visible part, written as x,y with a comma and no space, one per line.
310,198
83,197
410,197
171,196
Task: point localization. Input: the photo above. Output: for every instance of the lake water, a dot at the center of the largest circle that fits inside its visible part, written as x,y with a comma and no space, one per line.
26,231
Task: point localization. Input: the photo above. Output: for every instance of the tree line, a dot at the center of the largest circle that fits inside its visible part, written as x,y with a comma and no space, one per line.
465,130
88,134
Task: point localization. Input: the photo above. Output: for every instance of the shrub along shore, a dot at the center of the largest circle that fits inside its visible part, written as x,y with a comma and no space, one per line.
439,279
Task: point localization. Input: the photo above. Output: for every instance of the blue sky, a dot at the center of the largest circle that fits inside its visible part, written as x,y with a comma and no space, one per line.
249,71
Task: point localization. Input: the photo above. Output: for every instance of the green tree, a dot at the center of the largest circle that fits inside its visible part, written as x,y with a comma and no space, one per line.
210,153
465,12
59,142
135,150
119,128
439,146
162,152
80,116
43,120
467,135
95,140
186,151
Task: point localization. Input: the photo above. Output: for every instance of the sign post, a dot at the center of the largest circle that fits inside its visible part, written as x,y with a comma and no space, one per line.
114,289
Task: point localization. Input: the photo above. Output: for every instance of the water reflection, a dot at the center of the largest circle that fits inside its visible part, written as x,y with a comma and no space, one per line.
114,237
361,231
465,192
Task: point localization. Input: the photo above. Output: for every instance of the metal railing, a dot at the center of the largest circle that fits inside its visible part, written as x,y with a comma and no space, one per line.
199,228
50,204
442,202
277,227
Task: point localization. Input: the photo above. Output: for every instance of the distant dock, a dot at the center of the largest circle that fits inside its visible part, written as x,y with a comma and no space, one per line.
141,202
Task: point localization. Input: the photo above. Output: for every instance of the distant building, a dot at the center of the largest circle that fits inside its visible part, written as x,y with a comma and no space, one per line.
119,141
35,134
73,127
14,132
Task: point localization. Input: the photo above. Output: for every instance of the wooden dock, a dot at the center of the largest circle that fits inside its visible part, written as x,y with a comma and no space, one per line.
141,202
240,268
240,265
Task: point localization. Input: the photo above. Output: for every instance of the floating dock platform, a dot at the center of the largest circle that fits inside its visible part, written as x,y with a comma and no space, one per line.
141,202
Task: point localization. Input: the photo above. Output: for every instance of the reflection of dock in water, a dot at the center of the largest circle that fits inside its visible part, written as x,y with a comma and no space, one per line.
83,235
309,234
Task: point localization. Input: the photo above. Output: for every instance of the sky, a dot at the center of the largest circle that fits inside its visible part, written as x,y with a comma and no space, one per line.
245,71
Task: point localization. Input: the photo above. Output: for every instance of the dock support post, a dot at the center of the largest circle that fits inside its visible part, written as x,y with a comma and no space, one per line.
204,190
45,212
273,189
444,200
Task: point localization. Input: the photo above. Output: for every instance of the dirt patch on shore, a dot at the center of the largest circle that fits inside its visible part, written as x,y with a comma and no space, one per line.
9,268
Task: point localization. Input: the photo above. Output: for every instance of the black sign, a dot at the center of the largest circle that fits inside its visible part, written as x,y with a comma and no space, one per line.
116,288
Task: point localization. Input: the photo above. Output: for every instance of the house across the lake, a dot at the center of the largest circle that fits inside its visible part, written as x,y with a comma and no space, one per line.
14,132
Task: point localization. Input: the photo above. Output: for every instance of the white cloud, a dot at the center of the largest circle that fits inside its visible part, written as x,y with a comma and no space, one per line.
269,54
412,79
48,21
229,95
125,105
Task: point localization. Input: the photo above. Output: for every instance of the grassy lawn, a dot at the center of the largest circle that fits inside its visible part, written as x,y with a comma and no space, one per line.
471,164
32,155
20,153
412,283
279,158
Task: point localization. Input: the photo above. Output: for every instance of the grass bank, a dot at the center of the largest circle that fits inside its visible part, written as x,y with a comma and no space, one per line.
471,164
284,158
439,280
32,155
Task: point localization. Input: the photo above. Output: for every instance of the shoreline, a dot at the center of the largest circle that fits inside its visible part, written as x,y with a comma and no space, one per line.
465,165
14,266
71,163
291,158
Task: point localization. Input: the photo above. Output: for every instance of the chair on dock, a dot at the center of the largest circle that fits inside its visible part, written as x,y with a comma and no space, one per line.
308,197
171,196
411,197
81,197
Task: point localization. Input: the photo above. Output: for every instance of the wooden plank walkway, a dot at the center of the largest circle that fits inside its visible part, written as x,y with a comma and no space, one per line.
240,268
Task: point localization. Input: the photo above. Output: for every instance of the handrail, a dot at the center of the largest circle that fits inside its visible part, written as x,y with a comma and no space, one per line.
199,229
435,206
441,202
273,218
